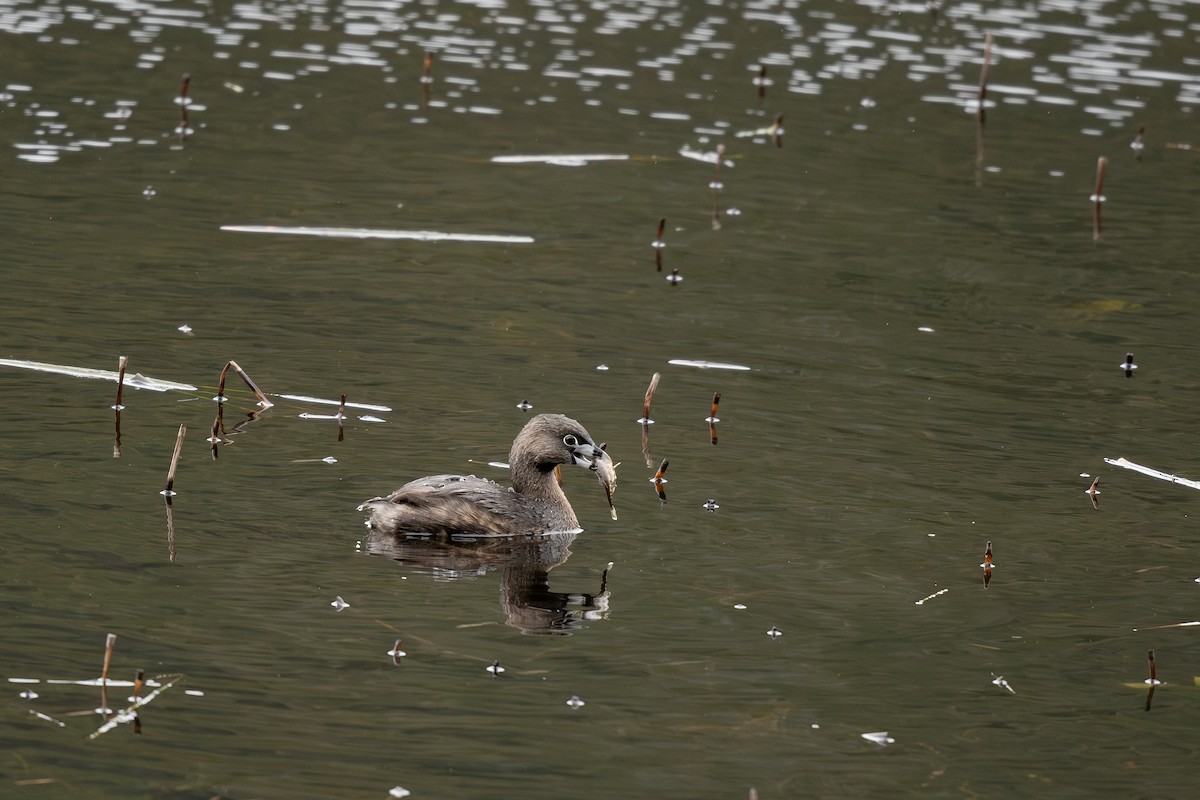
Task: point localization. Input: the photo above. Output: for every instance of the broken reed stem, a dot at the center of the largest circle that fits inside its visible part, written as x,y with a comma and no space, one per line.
650,396
122,362
258,393
184,102
170,529
1098,197
983,76
109,642
341,416
659,244
981,110
175,461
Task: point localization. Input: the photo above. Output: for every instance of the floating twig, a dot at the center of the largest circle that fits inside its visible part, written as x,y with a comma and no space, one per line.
168,491
925,600
1098,197
129,714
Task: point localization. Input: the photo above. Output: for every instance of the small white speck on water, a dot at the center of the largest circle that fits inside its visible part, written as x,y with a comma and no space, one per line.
338,603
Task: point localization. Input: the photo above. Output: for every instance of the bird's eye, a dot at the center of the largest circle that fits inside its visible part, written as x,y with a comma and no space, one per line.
570,441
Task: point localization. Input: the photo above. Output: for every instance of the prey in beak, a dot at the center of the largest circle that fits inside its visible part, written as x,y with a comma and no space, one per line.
606,473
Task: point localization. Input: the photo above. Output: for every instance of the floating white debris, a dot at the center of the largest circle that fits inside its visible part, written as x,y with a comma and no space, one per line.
300,398
924,600
329,460
48,718
559,160
925,329
602,367
137,381
29,694
1153,473
185,329
707,156
998,680
338,603
880,738
687,362
371,419
575,702
398,791
193,693
372,233
740,606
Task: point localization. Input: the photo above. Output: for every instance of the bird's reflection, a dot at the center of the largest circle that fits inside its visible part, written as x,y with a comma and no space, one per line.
524,564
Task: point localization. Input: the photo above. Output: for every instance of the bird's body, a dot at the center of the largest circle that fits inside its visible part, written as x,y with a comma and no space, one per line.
450,505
